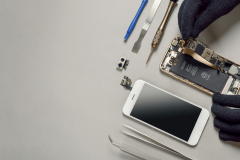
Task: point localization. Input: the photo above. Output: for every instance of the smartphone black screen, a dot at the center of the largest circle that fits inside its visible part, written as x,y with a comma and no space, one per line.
166,112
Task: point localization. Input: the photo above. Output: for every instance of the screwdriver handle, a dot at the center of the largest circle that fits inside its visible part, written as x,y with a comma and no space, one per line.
157,38
159,34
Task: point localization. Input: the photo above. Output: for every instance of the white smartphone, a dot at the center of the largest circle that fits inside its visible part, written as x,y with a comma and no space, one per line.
166,112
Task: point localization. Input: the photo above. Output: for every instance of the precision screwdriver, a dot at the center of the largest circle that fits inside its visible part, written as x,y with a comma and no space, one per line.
158,36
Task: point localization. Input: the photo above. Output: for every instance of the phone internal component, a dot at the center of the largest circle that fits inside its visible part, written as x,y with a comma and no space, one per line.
199,66
126,82
168,59
123,63
234,70
198,57
228,85
191,44
227,67
195,45
199,49
206,53
174,42
234,88
199,73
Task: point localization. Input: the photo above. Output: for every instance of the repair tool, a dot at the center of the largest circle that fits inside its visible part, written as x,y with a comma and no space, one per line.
134,21
150,140
160,31
133,151
146,26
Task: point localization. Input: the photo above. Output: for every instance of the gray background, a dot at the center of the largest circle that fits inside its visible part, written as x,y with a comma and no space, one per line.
60,93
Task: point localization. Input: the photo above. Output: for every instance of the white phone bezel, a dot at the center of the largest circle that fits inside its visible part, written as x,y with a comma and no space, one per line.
198,128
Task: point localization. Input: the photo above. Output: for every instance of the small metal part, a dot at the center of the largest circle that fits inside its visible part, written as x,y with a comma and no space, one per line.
233,69
181,43
173,60
123,63
167,61
180,50
235,87
126,82
191,44
175,42
236,84
146,25
207,54
227,85
159,34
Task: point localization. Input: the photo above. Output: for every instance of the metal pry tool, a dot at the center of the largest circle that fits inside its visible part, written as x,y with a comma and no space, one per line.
146,25
150,140
159,34
133,151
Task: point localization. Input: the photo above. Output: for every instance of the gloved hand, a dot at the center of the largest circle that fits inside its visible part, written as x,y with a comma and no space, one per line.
209,11
227,119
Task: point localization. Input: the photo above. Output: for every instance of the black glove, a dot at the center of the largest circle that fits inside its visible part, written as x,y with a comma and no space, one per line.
227,119
209,11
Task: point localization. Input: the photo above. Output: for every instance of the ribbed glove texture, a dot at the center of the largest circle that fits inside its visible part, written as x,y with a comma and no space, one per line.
206,11
227,119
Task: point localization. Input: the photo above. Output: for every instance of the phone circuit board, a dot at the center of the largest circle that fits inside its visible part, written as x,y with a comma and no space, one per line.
195,64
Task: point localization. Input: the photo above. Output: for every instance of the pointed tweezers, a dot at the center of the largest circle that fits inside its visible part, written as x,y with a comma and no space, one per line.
150,140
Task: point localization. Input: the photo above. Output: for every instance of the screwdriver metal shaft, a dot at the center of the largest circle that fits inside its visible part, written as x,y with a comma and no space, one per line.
150,54
158,36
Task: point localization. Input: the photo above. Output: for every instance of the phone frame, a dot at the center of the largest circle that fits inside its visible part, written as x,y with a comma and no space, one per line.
198,128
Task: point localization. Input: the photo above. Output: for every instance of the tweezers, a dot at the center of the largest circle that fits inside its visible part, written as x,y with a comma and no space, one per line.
133,151
150,140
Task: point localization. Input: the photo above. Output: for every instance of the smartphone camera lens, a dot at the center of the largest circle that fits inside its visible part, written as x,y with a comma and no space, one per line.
119,65
122,59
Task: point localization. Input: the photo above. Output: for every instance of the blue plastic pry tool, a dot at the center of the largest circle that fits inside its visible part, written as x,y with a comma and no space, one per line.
134,21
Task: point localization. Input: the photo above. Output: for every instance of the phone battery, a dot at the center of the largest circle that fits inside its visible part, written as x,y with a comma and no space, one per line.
199,73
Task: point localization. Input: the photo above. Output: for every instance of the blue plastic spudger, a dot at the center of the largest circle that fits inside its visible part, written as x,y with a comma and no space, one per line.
134,21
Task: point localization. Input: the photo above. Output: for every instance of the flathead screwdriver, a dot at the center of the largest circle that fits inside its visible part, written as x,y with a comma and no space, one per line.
158,36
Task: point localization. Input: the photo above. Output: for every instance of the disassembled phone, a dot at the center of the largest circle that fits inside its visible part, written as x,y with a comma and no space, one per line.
166,112
194,63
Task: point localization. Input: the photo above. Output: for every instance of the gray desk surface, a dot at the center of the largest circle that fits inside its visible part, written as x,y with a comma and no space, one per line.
60,92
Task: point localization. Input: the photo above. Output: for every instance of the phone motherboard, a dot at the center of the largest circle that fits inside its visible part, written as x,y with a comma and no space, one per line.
197,65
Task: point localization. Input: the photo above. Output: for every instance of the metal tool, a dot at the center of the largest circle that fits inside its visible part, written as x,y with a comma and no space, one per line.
150,140
159,34
133,151
134,21
146,26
